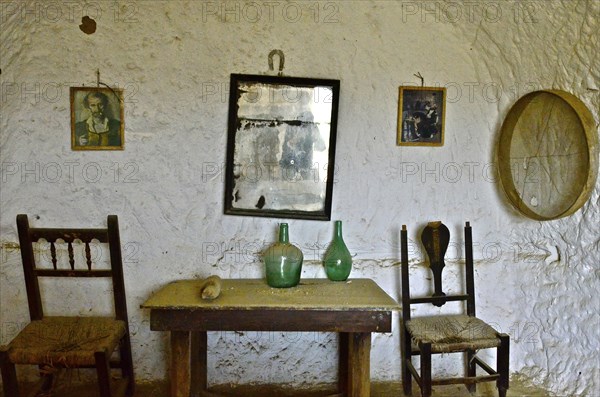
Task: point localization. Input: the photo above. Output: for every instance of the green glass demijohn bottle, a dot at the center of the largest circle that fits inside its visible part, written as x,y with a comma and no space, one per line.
283,261
337,259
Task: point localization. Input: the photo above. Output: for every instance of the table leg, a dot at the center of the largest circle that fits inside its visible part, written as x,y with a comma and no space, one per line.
198,363
180,364
359,360
344,340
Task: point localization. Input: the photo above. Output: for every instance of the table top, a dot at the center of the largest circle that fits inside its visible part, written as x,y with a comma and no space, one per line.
249,294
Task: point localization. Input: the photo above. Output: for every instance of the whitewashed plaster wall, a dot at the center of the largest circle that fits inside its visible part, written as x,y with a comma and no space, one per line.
537,281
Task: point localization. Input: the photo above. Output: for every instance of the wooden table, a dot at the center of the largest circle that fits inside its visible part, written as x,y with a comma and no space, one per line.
353,309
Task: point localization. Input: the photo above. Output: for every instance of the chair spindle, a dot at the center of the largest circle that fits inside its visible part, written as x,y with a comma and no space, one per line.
53,254
88,256
71,255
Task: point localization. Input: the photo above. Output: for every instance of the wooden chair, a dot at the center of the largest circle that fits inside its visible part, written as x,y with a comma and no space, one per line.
424,336
52,342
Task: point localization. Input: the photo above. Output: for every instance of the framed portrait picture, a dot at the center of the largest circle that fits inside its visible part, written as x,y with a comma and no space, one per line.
281,146
421,116
97,121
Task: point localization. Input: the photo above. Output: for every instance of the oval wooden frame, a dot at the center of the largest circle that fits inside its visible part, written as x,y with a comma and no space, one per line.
503,153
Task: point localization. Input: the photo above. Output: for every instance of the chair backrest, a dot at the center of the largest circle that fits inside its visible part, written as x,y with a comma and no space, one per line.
109,235
435,238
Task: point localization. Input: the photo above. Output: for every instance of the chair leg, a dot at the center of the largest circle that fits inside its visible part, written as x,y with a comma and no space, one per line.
127,364
503,356
471,370
406,354
9,375
425,369
47,378
103,372
47,384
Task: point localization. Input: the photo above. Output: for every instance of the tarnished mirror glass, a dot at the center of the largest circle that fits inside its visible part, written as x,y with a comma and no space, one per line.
281,146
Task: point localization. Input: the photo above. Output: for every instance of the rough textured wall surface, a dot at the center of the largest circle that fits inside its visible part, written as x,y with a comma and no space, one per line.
538,281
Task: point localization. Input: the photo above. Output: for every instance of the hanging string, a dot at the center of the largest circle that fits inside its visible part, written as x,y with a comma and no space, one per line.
421,77
98,83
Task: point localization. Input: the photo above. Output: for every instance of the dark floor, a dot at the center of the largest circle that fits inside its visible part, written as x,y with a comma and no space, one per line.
160,389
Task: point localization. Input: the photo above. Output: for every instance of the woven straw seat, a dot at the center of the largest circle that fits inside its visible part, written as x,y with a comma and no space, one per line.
65,341
452,333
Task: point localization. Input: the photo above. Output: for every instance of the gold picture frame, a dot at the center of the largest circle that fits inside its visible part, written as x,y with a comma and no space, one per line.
97,118
421,116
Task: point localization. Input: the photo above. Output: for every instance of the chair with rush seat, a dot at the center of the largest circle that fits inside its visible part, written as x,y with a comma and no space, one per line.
53,342
424,336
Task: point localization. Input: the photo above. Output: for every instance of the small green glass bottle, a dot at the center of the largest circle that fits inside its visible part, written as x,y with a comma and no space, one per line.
283,261
337,259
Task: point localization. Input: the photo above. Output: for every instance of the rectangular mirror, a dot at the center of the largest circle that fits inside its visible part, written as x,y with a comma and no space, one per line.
281,146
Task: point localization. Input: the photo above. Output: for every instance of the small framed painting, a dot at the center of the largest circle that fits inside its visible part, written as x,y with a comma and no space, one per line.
96,118
421,116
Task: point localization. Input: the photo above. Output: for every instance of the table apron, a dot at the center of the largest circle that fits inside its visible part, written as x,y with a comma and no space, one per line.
271,320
